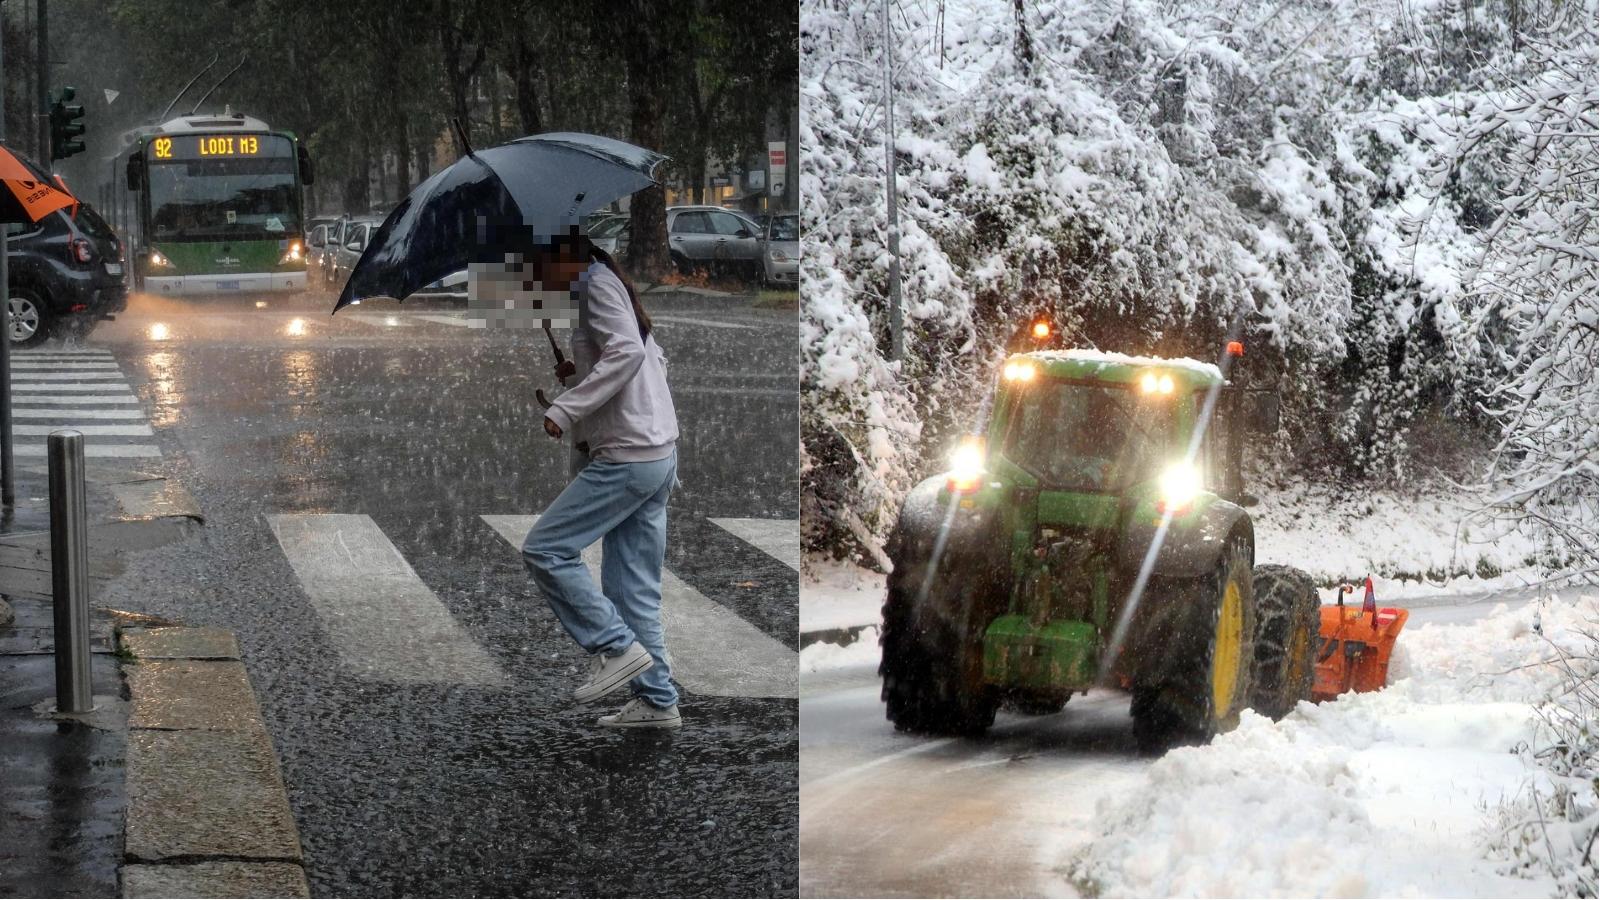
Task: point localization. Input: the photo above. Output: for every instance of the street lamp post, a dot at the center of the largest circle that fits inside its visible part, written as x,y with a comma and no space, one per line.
896,323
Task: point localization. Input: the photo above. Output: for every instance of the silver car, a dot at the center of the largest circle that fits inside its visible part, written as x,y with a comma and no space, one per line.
713,238
354,239
780,250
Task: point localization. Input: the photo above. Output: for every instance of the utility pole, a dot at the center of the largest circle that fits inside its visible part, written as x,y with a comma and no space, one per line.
897,342
44,87
8,480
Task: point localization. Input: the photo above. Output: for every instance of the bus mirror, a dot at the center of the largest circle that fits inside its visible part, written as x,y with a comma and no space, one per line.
1263,411
307,176
135,173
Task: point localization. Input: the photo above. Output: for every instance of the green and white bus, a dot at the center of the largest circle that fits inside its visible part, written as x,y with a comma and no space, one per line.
219,207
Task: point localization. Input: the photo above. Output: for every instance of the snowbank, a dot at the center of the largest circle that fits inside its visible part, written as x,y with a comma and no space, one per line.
1385,794
836,594
1414,543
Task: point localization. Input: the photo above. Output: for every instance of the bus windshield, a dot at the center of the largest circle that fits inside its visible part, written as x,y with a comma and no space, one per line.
236,197
1096,437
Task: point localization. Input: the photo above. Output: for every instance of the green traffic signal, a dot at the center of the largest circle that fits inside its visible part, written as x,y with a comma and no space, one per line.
65,127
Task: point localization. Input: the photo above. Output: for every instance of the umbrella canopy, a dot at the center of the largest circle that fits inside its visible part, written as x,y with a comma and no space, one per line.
493,201
29,195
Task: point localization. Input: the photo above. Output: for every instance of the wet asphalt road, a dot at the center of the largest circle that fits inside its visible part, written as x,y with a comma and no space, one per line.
447,788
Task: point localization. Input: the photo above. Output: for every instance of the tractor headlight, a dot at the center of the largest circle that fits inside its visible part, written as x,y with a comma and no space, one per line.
966,464
1178,486
1019,371
1156,383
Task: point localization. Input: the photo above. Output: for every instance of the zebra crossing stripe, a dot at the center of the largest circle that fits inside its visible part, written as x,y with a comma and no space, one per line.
777,538
457,321
98,399
87,430
382,619
26,412
92,450
37,388
713,650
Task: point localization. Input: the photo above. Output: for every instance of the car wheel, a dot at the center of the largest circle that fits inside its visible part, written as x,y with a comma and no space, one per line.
30,323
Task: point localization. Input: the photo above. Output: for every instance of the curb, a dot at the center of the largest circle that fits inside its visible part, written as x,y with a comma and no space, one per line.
844,636
208,814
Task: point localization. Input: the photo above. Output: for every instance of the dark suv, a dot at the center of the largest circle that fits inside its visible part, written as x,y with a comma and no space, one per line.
66,273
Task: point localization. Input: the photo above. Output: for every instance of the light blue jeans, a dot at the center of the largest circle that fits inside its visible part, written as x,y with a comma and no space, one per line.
625,506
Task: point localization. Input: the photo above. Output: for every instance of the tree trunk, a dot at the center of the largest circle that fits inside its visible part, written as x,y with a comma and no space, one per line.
401,148
525,77
648,71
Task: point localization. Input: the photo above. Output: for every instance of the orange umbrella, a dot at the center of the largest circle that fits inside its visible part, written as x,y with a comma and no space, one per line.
29,195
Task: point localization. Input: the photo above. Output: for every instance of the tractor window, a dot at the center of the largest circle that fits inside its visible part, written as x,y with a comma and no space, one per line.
1090,436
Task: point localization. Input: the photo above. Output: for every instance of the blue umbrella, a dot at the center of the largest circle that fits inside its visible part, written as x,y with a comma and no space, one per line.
495,201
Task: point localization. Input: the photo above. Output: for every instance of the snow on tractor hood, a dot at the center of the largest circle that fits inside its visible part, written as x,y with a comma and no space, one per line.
1203,369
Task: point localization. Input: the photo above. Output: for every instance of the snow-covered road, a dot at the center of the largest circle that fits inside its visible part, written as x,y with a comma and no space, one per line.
1008,814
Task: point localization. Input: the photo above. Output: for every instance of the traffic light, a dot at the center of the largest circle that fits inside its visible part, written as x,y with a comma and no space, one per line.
64,125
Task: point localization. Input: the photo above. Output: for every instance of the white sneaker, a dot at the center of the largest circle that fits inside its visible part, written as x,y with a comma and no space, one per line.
638,713
607,673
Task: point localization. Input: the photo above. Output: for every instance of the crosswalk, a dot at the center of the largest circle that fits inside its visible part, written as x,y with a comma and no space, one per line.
82,389
388,626
454,319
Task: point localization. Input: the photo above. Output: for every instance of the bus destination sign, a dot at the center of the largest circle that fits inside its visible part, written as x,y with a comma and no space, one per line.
215,146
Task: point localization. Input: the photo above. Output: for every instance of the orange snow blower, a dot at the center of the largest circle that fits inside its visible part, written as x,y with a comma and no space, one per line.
1356,644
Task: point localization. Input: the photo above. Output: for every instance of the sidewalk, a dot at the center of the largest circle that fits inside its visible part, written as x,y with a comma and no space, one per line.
170,787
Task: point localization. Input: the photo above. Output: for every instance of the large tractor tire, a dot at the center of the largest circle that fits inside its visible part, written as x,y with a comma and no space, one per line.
1203,677
932,643
1287,622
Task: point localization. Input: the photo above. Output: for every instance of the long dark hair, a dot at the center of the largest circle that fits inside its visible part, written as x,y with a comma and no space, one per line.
601,256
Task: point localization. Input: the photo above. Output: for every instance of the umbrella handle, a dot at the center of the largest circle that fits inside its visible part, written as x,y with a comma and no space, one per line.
543,400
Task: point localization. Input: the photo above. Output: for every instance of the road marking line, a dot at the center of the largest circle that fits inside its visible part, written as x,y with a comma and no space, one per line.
383,620
67,356
707,323
28,412
103,379
777,538
46,388
121,399
457,321
124,430
90,448
714,651
379,320
30,365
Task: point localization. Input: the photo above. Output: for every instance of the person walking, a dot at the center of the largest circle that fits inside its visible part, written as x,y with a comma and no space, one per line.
620,417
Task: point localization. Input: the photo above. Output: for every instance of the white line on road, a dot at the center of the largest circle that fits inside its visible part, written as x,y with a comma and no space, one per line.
707,323
66,355
46,388
384,622
26,412
102,378
713,650
119,399
123,430
30,365
90,448
777,538
457,321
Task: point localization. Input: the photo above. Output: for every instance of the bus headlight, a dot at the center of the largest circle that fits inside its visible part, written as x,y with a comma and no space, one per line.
292,255
157,261
966,465
1178,486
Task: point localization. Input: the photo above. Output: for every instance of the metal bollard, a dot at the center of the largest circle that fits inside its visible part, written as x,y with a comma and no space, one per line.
69,572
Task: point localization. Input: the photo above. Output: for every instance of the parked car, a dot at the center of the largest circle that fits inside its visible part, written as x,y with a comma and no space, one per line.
780,250
713,238
353,240
612,234
317,237
66,274
322,258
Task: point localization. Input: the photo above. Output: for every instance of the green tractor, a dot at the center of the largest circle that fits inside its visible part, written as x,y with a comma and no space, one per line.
1096,534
